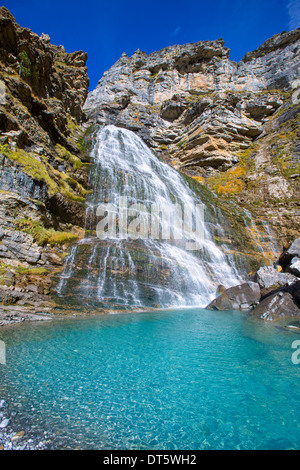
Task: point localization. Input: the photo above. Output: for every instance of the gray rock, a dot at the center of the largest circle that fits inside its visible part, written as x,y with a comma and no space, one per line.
279,303
276,306
242,297
268,276
4,423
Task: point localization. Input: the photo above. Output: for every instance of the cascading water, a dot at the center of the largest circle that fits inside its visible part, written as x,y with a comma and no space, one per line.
132,267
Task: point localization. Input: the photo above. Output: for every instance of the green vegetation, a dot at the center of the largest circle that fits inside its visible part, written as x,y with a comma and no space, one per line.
25,64
32,166
182,143
31,271
66,155
39,169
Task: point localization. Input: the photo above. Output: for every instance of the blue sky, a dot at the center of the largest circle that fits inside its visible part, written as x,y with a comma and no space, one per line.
106,29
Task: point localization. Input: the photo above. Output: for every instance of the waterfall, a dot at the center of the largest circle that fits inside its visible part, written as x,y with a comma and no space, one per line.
135,263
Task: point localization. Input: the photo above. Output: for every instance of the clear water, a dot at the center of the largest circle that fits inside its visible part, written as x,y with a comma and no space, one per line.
177,379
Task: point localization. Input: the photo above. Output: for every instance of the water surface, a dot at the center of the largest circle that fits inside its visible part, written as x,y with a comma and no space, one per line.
174,379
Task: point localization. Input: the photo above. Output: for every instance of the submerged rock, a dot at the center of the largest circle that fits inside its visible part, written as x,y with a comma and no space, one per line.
4,423
241,297
17,436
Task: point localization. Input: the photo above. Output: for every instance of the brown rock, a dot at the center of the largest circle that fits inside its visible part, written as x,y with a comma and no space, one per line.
241,297
276,306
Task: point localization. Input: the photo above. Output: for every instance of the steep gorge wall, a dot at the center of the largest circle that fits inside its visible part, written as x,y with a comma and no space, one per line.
44,165
231,126
45,89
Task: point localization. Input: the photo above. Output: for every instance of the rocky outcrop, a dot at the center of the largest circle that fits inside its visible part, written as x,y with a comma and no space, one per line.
43,91
30,255
289,259
44,165
242,297
283,303
280,290
196,96
273,296
268,277
232,126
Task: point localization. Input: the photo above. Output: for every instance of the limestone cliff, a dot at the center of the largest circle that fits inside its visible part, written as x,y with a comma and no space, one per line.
43,90
232,126
43,164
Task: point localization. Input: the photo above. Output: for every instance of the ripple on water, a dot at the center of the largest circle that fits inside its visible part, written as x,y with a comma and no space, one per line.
180,379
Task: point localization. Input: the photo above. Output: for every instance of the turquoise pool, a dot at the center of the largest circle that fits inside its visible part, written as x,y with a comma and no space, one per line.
173,379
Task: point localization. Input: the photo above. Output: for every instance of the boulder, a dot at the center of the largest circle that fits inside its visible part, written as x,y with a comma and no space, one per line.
287,256
283,303
268,277
242,297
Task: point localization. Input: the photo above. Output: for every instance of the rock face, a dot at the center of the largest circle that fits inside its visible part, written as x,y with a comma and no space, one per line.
215,119
43,91
192,98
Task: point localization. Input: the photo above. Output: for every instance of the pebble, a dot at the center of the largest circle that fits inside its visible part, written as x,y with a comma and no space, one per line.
17,436
9,439
4,423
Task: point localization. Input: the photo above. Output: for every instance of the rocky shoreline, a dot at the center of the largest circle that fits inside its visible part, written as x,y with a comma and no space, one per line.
272,294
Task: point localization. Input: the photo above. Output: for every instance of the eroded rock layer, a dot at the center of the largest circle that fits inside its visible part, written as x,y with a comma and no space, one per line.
232,126
44,164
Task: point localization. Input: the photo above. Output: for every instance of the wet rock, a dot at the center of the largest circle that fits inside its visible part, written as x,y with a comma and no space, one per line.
4,423
220,289
241,297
